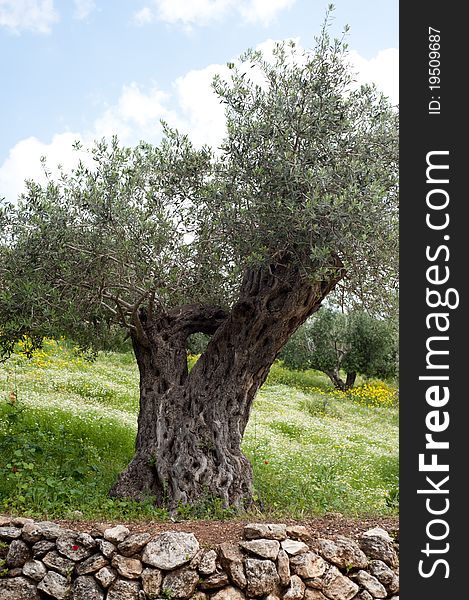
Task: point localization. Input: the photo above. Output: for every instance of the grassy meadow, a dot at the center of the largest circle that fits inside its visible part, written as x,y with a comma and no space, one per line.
68,424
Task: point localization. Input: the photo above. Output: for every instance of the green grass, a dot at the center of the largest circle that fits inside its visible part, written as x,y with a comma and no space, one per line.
67,428
339,459
302,380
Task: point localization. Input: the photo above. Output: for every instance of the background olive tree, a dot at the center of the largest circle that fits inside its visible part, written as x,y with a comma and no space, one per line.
354,343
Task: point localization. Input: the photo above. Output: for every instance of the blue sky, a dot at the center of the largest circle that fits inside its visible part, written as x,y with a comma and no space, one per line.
81,69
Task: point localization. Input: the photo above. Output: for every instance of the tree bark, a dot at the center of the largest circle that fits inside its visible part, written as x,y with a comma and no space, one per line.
191,426
339,383
350,380
336,379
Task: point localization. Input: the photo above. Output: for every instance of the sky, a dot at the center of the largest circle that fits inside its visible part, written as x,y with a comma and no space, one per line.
86,69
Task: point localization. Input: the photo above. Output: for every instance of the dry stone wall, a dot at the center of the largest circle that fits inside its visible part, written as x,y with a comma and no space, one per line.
41,560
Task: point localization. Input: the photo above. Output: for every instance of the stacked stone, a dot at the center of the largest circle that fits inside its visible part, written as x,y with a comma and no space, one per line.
274,562
277,562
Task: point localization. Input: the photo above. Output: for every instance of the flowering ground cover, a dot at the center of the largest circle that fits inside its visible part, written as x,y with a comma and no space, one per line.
67,427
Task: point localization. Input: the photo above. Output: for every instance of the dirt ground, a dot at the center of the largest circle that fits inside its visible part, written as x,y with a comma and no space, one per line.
211,533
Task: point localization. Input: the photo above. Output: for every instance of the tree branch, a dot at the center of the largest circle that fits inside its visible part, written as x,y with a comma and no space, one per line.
109,308
195,318
139,331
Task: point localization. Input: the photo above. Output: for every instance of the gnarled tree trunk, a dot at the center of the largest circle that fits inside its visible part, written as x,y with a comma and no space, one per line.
190,426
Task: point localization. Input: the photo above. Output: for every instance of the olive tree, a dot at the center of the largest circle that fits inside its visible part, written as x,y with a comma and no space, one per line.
242,245
354,343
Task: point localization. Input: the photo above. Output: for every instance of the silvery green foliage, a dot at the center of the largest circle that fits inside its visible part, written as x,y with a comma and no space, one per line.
307,174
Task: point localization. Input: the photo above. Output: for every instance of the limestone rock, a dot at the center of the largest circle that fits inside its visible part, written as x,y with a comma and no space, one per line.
5,521
47,529
261,576
170,550
58,563
34,569
199,596
42,547
385,575
180,583
338,587
364,595
294,547
151,581
283,567
371,584
229,593
130,568
195,562
31,533
55,585
273,596
18,588
106,576
314,582
86,588
299,532
15,572
133,544
378,531
86,540
377,544
311,594
107,548
308,565
231,559
271,531
265,548
99,529
20,521
343,552
215,581
296,590
18,554
92,564
10,533
208,563
123,590
116,534
69,545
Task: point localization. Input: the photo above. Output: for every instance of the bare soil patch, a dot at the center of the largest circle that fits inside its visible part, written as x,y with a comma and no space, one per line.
212,533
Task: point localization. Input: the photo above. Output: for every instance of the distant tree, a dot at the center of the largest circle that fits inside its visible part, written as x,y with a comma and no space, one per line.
242,245
354,343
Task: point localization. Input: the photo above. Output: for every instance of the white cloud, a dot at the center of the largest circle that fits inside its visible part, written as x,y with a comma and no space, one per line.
202,114
135,116
188,13
383,70
83,8
263,11
31,15
201,12
23,161
192,107
144,16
